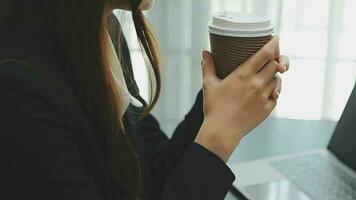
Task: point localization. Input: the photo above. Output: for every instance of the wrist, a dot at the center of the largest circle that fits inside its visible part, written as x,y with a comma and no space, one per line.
218,139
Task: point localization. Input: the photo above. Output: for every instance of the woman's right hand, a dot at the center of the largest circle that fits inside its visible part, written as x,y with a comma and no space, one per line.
237,104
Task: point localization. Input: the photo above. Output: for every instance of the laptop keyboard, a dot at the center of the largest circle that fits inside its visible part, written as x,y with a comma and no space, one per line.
318,177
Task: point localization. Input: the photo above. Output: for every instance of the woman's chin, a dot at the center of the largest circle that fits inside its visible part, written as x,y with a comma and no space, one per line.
147,4
126,5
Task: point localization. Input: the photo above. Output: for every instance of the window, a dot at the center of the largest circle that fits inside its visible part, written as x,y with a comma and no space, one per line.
317,35
322,49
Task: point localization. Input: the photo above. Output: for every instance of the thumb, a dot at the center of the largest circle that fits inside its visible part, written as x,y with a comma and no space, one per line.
208,67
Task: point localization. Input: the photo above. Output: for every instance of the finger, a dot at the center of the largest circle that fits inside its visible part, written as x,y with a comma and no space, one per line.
284,62
278,51
277,91
272,85
208,67
271,104
269,71
264,55
275,95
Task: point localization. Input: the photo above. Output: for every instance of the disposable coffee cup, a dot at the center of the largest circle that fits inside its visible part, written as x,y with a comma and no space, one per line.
235,37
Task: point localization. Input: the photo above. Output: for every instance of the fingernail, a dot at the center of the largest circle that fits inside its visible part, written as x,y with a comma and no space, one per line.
277,95
284,68
204,54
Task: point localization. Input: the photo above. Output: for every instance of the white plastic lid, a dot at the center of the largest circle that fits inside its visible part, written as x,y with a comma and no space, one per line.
241,25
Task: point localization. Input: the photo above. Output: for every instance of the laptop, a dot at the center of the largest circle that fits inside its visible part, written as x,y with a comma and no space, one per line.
326,174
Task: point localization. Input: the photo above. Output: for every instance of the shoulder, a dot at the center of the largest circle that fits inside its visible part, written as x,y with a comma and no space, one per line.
27,92
35,125
22,74
40,153
12,68
41,148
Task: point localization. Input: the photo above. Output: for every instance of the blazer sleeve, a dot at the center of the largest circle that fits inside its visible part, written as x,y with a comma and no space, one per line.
39,155
199,175
183,169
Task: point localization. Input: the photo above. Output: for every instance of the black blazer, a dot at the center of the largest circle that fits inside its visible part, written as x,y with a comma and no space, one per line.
49,150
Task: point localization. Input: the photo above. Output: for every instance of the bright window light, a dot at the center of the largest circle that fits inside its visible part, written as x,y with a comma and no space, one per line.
314,13
302,92
347,46
345,77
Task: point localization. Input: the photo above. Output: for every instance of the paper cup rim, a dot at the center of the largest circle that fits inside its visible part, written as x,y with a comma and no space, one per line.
241,32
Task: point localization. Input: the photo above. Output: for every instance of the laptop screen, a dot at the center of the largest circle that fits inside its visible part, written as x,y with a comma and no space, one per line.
343,141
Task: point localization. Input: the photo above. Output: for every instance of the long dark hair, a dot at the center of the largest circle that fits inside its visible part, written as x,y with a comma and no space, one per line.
78,30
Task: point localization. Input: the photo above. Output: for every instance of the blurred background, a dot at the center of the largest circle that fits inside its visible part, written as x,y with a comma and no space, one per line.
319,36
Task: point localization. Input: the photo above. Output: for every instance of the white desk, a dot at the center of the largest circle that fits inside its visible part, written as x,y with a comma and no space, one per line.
277,137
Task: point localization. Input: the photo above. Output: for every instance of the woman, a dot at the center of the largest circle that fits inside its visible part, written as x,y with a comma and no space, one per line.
68,130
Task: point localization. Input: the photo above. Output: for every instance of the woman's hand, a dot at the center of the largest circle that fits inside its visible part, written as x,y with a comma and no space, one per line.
237,104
